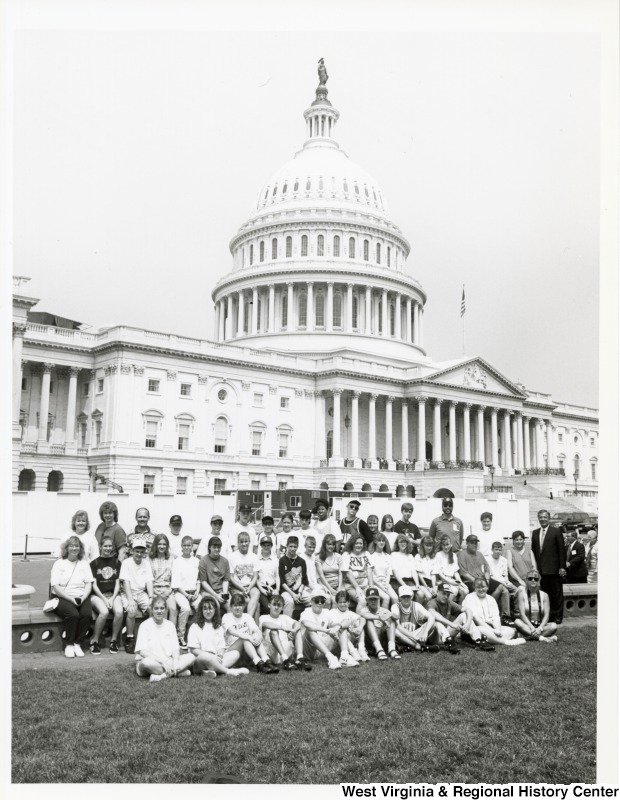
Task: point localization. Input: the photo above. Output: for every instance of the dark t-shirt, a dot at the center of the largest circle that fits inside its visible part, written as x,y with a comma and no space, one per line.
450,610
115,532
351,528
106,571
293,573
407,527
214,571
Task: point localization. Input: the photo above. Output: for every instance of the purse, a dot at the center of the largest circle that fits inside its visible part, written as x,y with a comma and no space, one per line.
50,605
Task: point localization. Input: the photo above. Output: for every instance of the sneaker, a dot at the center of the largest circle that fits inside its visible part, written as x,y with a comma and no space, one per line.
208,673
78,651
363,653
114,647
130,645
508,621
355,654
430,648
95,649
288,665
302,664
333,663
483,645
347,660
271,668
238,672
450,646
155,678
182,643
515,642
69,651
261,666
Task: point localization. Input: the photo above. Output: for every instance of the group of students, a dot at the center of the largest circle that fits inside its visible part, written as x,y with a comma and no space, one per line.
257,601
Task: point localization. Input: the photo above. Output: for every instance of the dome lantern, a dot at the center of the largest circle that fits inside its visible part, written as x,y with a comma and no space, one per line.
321,117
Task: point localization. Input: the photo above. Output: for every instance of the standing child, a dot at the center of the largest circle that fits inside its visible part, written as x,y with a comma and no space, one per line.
242,525
185,585
286,524
310,558
305,528
410,529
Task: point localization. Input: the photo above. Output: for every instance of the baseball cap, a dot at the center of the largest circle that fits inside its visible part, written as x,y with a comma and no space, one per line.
175,519
318,591
445,587
268,519
245,507
216,518
266,539
138,542
372,592
405,591
472,538
353,501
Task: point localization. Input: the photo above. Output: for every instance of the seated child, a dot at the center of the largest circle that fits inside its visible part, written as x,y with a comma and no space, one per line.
350,622
207,643
282,637
380,626
414,624
242,634
320,635
451,619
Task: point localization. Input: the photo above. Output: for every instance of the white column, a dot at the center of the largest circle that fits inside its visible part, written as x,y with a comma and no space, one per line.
336,423
452,429
19,329
549,444
408,319
229,317
272,308
480,455
291,319
71,402
384,314
506,450
416,323
349,309
221,320
404,430
519,421
513,440
310,307
466,433
397,320
45,402
319,423
354,424
388,427
240,304
421,430
329,321
216,321
494,453
526,442
255,310
368,321
437,430
372,436
421,326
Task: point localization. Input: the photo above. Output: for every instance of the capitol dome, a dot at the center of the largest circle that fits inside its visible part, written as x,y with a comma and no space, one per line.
319,264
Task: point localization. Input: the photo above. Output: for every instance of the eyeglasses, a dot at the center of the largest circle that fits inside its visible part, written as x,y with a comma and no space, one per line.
319,600
534,580
217,522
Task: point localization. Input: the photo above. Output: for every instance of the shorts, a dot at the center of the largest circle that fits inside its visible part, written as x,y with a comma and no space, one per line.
381,625
140,598
284,640
311,652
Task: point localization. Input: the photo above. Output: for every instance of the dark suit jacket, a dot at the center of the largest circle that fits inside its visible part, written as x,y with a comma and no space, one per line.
553,556
576,561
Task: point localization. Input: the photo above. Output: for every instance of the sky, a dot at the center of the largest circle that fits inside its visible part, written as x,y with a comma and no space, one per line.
138,154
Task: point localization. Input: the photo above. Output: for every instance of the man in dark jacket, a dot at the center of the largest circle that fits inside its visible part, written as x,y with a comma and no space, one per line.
576,570
550,554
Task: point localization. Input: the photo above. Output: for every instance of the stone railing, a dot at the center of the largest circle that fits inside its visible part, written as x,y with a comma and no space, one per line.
461,464
544,471
366,463
57,450
28,447
348,462
408,466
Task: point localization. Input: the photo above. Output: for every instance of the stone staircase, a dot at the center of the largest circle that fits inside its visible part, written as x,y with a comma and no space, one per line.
537,499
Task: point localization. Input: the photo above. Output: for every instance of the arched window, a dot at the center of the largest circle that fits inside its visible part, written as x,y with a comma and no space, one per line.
251,254
275,189
242,258
354,313
357,190
289,246
576,462
261,251
345,186
320,245
54,481
26,481
366,250
337,246
378,257
379,317
304,245
302,310
320,311
274,248
220,435
284,310
329,444
320,184
296,186
392,320
284,188
351,247
389,256
337,316
308,185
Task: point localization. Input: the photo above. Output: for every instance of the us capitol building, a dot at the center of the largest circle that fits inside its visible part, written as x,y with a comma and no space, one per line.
317,374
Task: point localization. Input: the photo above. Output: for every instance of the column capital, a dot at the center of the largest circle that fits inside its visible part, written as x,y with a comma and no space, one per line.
171,375
317,392
19,329
508,412
421,398
290,283
308,393
494,410
138,370
527,418
241,292
330,283
389,398
373,396
62,372
125,369
355,393
467,406
47,367
336,391
299,393
74,371
404,402
25,362
452,403
273,390
518,414
92,374
350,285
111,369
438,401
308,283
271,285
482,408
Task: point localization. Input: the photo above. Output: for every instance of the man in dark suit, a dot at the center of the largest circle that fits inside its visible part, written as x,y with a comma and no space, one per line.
550,553
576,569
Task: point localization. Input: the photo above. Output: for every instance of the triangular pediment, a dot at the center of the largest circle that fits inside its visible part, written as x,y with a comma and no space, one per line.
477,375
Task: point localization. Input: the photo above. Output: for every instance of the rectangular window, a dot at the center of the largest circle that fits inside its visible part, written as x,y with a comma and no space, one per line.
186,390
256,442
283,449
255,485
99,385
592,441
148,484
282,486
295,501
85,389
51,387
151,434
219,484
153,385
82,434
560,437
181,484
24,384
285,402
593,470
258,399
97,433
183,437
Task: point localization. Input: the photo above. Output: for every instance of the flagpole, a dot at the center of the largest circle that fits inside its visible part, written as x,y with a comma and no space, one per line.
463,316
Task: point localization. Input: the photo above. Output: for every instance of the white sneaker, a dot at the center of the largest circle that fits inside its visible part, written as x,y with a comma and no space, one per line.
355,654
239,672
155,678
333,663
548,639
363,653
209,673
78,651
515,642
69,651
347,660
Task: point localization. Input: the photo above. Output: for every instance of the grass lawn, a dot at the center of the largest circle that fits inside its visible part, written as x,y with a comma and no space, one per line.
522,714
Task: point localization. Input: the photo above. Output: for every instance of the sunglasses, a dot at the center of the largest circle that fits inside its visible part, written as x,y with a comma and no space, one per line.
319,600
217,522
534,580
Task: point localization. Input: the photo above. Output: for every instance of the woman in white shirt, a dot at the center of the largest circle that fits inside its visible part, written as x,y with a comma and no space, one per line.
485,612
157,649
447,569
425,563
404,572
356,569
206,642
80,525
382,569
72,582
328,564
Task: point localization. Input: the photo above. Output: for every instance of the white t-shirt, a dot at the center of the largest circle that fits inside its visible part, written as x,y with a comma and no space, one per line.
445,568
185,573
485,611
137,575
311,569
426,567
328,525
499,568
404,565
71,576
382,569
303,535
237,528
160,640
284,623
338,617
282,539
208,639
358,565
203,547
243,624
91,546
243,567
486,540
322,619
175,540
267,569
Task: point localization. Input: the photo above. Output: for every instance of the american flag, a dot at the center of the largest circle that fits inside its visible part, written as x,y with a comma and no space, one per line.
463,302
